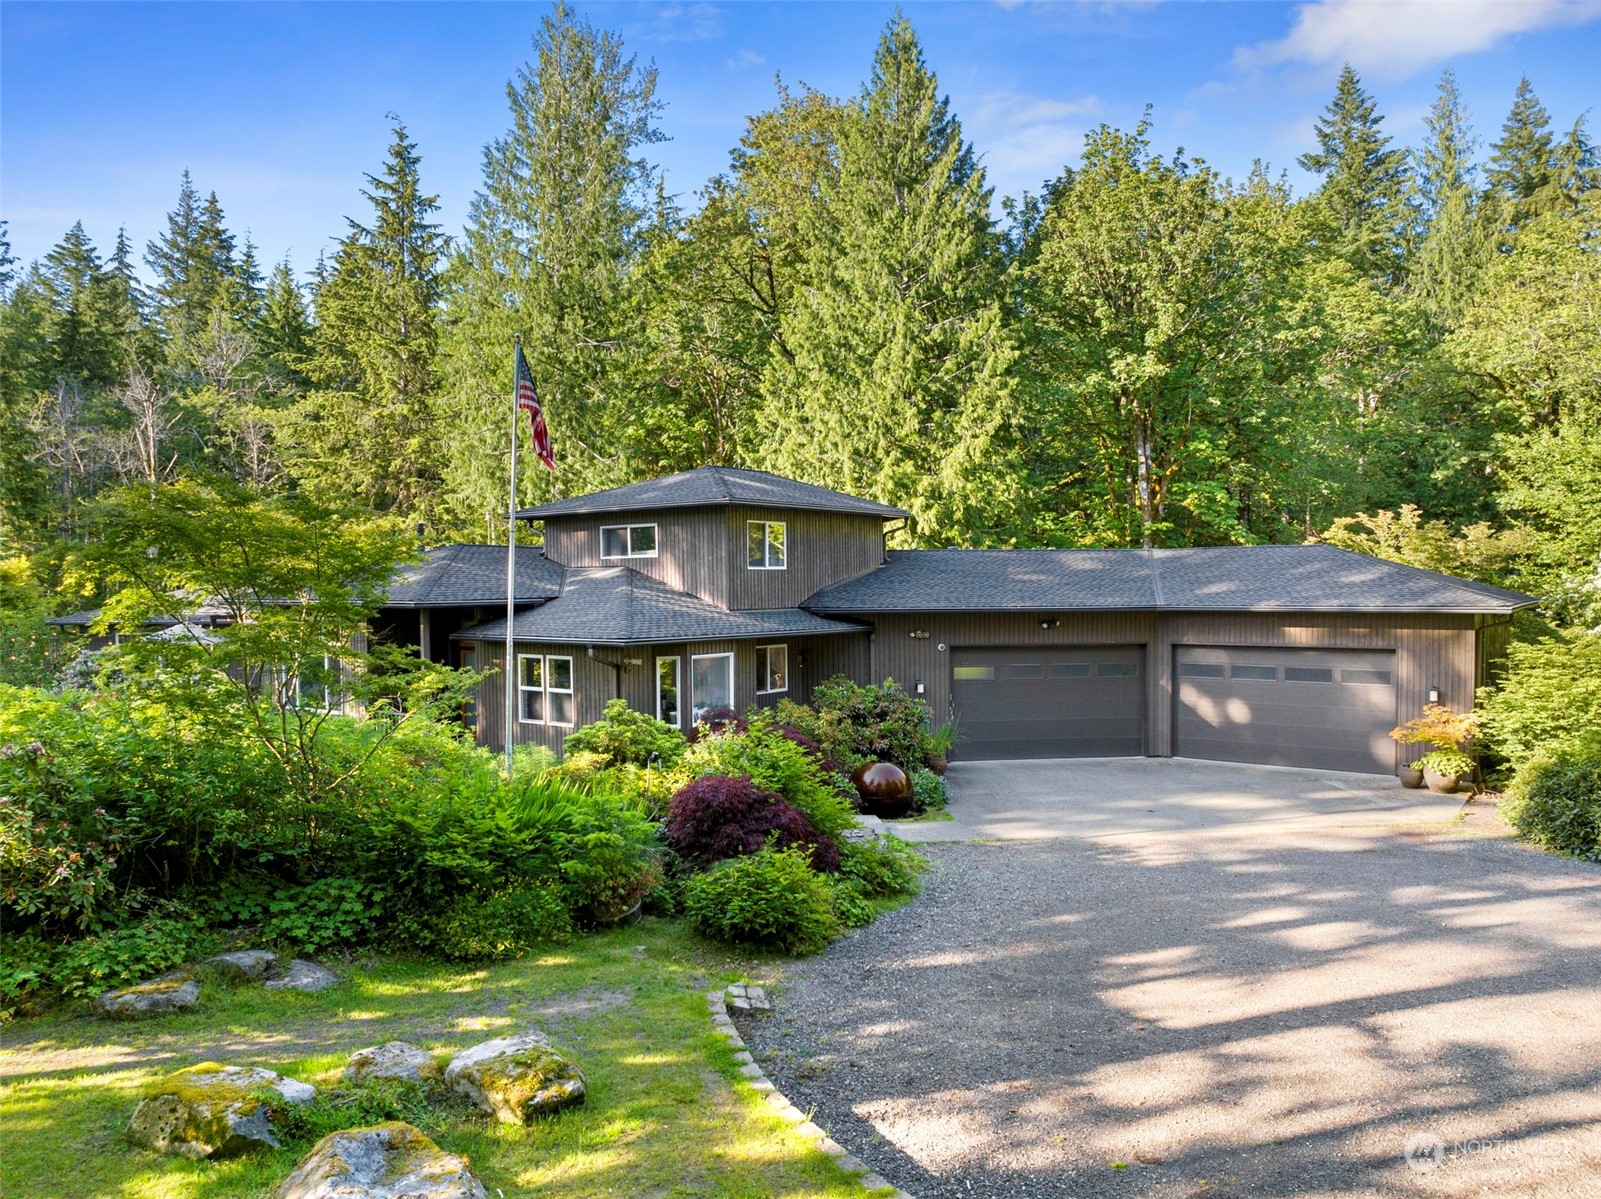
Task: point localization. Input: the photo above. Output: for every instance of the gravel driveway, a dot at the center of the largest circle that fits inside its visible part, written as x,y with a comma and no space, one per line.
1258,1007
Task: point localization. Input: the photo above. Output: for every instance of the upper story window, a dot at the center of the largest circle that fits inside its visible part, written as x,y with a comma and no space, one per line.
628,541
764,544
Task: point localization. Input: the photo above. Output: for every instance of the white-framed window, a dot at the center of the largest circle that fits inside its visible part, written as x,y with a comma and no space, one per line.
544,689
668,682
711,683
314,689
628,541
772,669
764,544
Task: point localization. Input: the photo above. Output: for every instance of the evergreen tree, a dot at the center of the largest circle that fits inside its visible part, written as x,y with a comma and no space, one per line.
195,270
1454,244
1521,162
1576,168
897,384
366,432
1363,179
550,240
284,330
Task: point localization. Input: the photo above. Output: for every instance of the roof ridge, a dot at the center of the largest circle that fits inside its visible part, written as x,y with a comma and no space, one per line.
1156,576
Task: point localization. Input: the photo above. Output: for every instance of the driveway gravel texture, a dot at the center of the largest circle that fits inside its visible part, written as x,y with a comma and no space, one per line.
1355,1004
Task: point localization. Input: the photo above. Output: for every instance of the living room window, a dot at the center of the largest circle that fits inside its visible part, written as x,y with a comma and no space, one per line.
764,544
711,683
544,689
772,669
628,541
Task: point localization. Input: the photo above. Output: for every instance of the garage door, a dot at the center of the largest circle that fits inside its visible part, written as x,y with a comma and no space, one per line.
1049,703
1326,709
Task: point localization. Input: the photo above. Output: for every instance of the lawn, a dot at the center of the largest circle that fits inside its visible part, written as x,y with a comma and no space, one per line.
667,1112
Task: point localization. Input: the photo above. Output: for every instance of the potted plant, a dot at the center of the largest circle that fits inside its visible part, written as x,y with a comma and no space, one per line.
937,747
1444,769
1449,733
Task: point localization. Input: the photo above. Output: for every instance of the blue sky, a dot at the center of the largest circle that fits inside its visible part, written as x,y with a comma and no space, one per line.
280,107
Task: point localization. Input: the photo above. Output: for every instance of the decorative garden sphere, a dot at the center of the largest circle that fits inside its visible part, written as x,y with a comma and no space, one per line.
882,780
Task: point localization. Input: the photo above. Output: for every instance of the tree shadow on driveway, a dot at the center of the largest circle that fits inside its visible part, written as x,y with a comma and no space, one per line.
1229,1013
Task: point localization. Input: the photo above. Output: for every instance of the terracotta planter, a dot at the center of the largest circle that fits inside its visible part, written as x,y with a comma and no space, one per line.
1410,777
1445,784
939,763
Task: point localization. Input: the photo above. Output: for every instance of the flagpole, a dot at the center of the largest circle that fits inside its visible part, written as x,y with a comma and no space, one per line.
511,567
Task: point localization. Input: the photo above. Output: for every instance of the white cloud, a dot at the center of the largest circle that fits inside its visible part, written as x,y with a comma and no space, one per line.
744,59
1401,37
678,23
1028,139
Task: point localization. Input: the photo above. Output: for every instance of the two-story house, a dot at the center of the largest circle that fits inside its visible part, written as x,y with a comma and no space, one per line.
724,587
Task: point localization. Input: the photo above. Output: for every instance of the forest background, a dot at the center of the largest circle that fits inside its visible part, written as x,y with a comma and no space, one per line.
1405,360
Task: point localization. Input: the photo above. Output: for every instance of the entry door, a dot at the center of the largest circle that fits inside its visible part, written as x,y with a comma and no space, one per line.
1324,709
1027,702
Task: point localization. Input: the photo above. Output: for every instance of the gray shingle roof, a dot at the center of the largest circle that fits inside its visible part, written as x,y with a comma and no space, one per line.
468,575
1266,578
709,486
614,605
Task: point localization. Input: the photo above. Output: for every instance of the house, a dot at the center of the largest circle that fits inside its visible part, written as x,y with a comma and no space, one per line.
719,587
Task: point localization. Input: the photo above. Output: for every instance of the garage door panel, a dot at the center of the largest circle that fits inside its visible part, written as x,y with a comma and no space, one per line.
1273,706
1049,702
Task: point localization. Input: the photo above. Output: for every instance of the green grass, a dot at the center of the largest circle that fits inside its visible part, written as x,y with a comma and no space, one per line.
667,1113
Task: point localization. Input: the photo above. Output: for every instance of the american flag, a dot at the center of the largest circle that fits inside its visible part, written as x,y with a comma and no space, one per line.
528,401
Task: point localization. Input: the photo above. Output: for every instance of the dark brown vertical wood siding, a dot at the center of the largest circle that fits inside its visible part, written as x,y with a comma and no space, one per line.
821,548
692,551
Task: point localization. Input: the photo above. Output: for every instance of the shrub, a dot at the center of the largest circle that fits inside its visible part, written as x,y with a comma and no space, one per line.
1549,698
1555,801
493,926
928,791
358,1105
608,857
721,719
774,762
1439,725
326,913
852,907
164,939
623,736
1447,762
771,899
881,869
25,961
877,721
717,817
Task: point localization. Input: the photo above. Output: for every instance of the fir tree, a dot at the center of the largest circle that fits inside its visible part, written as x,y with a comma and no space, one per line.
366,433
897,384
1454,244
550,240
1520,163
1363,179
284,330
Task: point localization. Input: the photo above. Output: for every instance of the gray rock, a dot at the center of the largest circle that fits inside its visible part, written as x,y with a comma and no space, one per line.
516,1079
170,993
212,1111
394,1059
304,976
386,1161
245,965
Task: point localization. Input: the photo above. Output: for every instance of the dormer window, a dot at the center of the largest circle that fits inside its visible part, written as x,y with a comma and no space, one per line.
628,541
764,544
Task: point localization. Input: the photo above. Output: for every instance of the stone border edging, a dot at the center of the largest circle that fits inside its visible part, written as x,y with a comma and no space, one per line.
716,1002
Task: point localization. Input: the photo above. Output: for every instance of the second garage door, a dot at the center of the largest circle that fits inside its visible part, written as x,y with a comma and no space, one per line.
1325,709
1020,702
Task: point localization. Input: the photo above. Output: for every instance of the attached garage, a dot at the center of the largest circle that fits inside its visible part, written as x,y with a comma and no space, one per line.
1049,701
1324,709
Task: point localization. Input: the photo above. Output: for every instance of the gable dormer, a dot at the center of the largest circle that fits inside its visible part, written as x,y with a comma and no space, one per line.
741,539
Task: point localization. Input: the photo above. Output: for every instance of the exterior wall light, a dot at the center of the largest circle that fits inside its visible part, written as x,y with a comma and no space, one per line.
919,634
1434,695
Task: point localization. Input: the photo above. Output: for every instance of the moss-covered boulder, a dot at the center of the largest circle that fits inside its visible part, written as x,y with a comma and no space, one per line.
170,993
516,1079
385,1161
303,976
393,1059
213,1111
244,965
